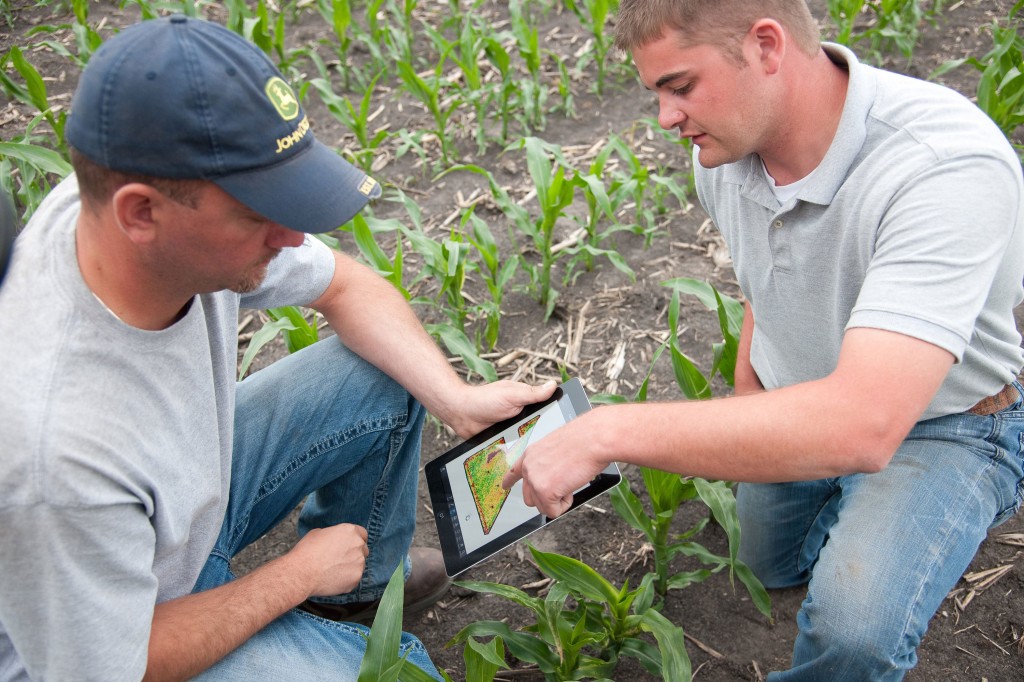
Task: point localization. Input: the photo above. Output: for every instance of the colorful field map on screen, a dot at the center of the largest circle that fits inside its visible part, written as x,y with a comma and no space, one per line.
484,471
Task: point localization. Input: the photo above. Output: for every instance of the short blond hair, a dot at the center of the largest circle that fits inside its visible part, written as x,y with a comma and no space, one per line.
720,23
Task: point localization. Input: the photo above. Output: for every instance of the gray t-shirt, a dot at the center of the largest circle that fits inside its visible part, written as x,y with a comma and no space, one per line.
912,223
116,452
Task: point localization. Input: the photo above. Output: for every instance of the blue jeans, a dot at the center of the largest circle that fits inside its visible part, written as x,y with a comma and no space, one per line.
324,426
881,551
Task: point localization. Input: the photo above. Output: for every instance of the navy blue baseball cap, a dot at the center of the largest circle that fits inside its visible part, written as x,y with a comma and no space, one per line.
179,97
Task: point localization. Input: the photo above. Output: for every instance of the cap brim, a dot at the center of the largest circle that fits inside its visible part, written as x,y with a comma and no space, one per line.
313,191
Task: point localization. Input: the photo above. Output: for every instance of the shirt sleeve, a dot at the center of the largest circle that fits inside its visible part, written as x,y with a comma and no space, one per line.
941,252
77,591
298,276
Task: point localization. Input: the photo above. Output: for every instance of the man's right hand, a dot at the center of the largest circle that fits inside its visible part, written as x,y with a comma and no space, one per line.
333,558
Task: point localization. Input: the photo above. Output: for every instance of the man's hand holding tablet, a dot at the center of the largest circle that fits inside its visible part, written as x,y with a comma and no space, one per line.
478,507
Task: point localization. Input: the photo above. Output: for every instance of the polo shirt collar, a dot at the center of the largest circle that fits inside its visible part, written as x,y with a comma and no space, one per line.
849,139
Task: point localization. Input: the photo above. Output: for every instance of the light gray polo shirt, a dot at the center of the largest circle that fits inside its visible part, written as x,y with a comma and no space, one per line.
911,223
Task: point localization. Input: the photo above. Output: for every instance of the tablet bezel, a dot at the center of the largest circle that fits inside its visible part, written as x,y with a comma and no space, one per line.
569,394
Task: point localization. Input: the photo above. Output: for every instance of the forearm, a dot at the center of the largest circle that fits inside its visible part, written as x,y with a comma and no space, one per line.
373,320
786,435
191,633
849,421
745,378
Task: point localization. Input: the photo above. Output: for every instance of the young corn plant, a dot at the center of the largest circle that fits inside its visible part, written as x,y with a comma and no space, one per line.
534,92
590,249
628,186
396,31
33,93
151,9
507,88
496,274
894,24
358,120
844,14
445,263
31,163
338,15
586,641
465,52
87,40
266,30
28,171
693,383
555,192
381,662
667,491
291,324
391,269
431,92
1000,92
593,15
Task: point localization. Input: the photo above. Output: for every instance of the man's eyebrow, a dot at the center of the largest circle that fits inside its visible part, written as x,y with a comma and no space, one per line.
669,77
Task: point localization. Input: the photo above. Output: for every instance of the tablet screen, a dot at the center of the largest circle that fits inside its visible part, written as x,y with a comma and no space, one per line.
475,516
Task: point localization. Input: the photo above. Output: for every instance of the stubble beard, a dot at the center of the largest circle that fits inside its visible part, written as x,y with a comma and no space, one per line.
252,279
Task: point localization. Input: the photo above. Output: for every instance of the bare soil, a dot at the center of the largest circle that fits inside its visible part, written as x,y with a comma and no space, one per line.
617,324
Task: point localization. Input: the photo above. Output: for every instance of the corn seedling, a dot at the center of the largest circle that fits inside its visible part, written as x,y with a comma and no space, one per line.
598,205
458,343
338,15
33,93
593,15
508,87
533,91
26,170
466,53
844,14
445,261
395,32
587,641
87,40
151,9
31,163
667,491
1000,92
289,322
629,187
390,269
555,192
381,662
256,27
894,23
430,91
357,119
730,321
496,274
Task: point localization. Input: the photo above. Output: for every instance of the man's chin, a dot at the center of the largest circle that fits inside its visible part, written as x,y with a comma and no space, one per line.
711,157
250,282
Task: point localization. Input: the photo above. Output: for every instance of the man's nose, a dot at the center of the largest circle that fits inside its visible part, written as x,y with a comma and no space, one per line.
669,116
281,237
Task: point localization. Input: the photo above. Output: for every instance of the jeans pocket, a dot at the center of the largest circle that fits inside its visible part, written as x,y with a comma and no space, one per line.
1013,463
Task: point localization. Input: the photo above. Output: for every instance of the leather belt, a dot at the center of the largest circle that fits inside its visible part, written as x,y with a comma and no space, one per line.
998,402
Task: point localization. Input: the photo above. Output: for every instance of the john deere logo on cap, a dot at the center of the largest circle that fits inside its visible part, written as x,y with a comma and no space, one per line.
282,97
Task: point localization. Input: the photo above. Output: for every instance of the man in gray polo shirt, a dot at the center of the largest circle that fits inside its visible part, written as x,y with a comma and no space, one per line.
875,223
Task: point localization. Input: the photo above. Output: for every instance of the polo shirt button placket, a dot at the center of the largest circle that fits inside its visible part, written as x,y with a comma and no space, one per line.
777,223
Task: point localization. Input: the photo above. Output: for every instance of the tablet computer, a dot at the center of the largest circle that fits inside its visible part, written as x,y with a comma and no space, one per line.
475,516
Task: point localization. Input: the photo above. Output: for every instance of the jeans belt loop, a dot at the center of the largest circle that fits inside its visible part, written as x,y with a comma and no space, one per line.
996,403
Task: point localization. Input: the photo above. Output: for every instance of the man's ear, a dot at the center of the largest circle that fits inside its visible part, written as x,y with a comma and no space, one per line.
136,207
768,41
